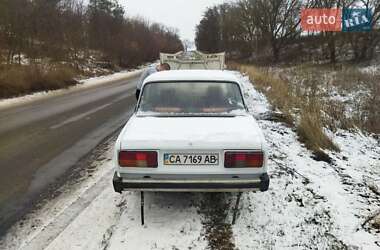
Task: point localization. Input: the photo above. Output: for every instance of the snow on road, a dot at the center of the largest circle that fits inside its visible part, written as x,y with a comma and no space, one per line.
310,204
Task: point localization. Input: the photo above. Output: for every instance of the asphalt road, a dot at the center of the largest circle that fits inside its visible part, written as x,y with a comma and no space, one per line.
42,140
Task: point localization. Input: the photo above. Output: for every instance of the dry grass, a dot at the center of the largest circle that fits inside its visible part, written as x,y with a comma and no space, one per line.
299,105
276,90
16,80
310,132
303,93
346,80
372,106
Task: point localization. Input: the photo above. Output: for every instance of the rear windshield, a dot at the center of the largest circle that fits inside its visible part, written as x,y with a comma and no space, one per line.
191,98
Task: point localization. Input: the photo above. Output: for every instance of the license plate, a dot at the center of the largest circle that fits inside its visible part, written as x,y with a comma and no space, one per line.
191,159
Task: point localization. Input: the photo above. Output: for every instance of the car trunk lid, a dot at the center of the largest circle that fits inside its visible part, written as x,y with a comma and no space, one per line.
192,133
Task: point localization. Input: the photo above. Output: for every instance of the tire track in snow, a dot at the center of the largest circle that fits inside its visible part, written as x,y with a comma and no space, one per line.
215,209
107,236
51,231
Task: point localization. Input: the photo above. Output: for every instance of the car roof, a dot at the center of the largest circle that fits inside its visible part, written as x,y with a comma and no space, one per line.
192,75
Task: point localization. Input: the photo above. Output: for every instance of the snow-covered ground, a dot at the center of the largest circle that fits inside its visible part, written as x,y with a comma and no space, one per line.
310,204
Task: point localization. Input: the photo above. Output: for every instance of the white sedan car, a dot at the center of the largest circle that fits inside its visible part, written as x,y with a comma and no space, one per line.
191,131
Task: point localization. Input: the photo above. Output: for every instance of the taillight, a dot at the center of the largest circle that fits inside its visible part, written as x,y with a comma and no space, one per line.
138,159
243,159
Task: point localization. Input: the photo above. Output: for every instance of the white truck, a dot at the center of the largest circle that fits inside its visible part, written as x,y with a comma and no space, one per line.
194,60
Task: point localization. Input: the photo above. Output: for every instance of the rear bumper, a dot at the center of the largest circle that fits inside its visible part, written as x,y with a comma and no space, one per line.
261,183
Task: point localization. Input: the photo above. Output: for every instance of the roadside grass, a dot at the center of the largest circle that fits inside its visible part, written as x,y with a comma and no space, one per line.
16,80
310,132
358,92
299,106
319,97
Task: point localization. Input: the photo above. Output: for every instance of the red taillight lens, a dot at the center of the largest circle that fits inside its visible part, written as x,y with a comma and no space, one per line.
243,159
138,159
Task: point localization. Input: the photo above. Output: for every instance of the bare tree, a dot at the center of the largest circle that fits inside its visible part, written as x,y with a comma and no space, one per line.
66,30
363,44
278,21
208,34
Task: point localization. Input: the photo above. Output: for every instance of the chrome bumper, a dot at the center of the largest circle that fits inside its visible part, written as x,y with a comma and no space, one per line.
261,183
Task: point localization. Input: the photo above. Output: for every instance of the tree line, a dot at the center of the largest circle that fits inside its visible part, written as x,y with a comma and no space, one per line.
73,30
270,30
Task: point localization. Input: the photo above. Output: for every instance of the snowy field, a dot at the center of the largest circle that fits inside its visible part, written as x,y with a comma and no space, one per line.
310,204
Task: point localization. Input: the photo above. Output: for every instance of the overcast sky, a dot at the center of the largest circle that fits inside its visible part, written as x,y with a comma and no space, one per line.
181,14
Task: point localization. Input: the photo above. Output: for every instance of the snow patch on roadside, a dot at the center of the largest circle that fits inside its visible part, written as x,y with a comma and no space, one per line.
171,222
111,220
88,229
310,204
372,69
26,231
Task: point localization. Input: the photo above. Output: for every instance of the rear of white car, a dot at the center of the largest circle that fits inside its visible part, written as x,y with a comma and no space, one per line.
187,145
